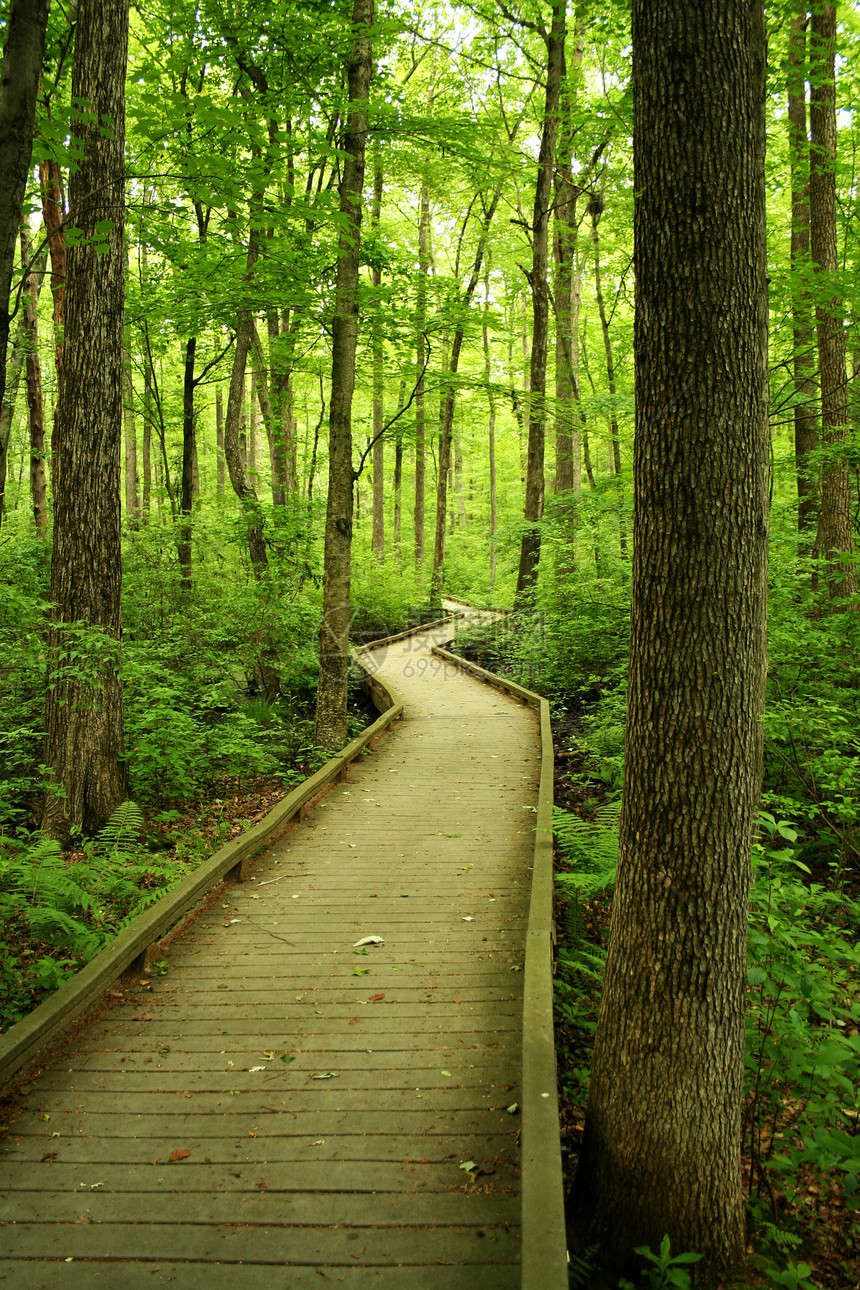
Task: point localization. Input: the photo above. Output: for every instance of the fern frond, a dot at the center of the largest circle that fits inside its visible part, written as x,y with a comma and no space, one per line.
121,833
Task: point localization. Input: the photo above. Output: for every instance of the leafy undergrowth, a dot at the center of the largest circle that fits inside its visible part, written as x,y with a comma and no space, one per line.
801,1148
59,909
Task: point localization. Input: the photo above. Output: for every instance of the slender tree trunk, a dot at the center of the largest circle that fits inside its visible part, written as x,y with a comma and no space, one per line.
147,442
459,492
330,724
447,409
19,85
661,1152
805,424
132,514
377,542
253,420
242,486
186,496
568,277
595,210
491,430
52,209
219,440
7,410
530,549
33,270
84,747
835,526
281,399
420,432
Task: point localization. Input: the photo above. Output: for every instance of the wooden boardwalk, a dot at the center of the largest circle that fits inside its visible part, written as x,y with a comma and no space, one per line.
279,1111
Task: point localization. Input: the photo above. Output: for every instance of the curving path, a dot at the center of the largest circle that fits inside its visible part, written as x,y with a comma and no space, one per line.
278,1111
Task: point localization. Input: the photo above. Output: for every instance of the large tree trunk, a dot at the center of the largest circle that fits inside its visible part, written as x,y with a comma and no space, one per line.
805,425
84,748
330,724
19,85
530,549
835,527
420,359
661,1151
33,271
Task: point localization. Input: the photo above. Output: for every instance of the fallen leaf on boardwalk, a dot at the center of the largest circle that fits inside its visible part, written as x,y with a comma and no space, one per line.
353,845
253,1070
326,1075
286,1057
364,950
369,940
269,1055
359,971
468,918
512,1109
375,998
179,1154
448,1073
468,1165
262,1186
227,924
320,1142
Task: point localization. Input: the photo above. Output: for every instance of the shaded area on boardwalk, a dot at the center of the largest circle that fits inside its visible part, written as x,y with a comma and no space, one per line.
343,1161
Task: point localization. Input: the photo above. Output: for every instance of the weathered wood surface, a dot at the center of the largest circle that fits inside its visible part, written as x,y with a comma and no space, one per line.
342,1164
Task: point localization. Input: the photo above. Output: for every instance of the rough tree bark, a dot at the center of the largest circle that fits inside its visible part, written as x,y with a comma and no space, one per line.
330,723
84,747
805,423
835,525
530,549
19,85
661,1151
52,210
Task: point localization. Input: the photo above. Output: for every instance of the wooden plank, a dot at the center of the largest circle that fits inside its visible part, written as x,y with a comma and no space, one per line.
302,1146
282,1245
121,1275
355,1177
259,1203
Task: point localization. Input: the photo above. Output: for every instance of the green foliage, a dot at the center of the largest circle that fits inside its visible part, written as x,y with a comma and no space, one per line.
667,1272
803,1048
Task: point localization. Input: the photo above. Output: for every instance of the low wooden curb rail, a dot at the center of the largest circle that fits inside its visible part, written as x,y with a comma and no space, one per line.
544,1241
47,1023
